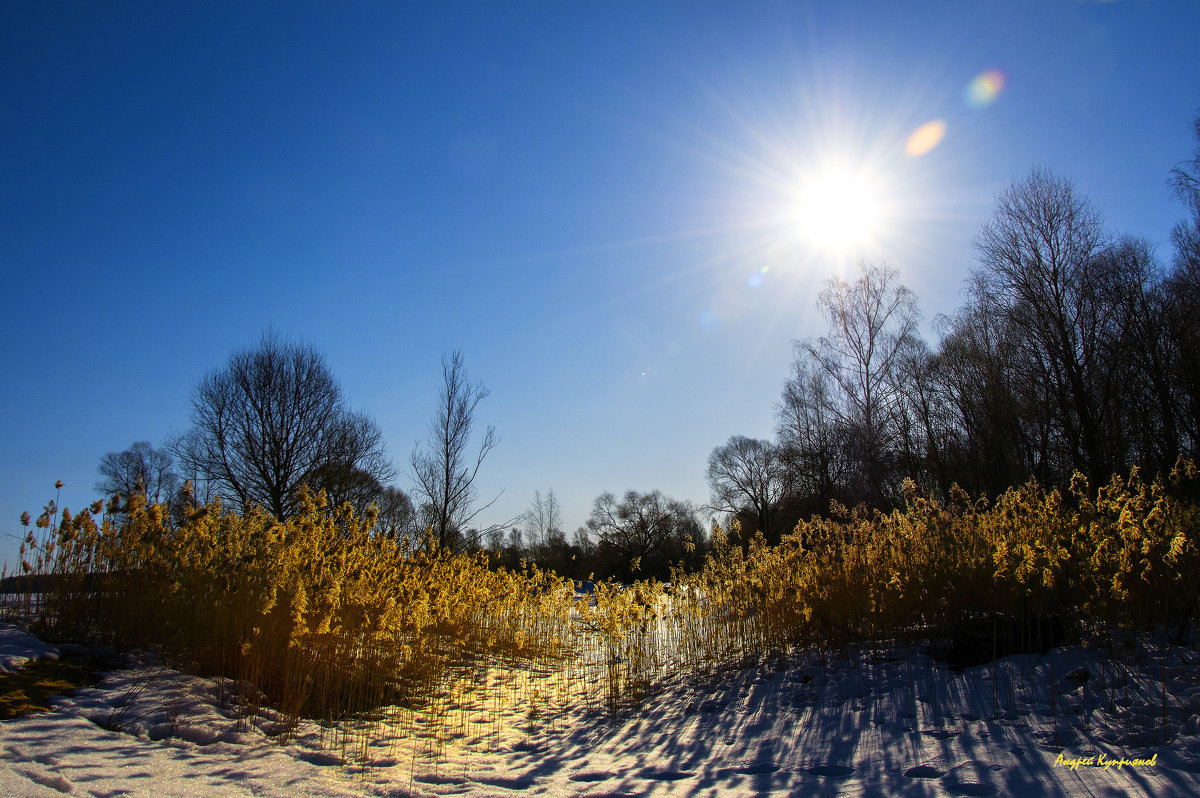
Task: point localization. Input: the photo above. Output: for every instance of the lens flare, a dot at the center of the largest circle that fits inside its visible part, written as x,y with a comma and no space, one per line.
755,280
983,90
922,140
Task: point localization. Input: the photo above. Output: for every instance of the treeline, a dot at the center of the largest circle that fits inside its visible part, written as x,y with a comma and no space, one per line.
1076,350
634,536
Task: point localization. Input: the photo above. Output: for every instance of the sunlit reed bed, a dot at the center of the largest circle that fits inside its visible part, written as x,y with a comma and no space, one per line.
321,617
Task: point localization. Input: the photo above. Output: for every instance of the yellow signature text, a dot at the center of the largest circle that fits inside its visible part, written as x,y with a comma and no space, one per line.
1102,761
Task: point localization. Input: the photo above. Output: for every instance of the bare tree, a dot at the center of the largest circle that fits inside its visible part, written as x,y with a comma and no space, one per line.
1185,180
543,520
1039,263
1002,423
495,540
1182,297
748,474
516,539
355,466
139,469
812,435
444,470
547,541
581,540
397,516
274,419
871,322
1139,347
927,431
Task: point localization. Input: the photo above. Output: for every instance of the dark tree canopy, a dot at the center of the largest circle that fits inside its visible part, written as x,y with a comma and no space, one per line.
273,419
642,534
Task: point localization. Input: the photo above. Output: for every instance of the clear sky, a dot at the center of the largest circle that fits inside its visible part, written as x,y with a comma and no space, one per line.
601,204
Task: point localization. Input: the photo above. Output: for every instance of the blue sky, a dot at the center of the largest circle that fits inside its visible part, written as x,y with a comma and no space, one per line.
595,202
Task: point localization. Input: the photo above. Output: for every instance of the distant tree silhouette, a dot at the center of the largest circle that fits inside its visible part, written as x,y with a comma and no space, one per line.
139,469
1138,349
543,521
1074,350
998,433
546,541
927,439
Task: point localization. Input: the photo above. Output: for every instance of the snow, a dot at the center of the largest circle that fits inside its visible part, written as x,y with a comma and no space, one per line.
866,722
18,648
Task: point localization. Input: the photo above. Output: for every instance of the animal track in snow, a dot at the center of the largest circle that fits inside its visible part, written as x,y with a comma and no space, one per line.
972,779
666,775
592,776
757,769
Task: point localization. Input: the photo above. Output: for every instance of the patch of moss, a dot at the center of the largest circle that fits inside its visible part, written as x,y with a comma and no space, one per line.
28,690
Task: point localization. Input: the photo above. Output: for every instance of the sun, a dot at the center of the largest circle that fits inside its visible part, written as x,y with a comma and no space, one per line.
838,209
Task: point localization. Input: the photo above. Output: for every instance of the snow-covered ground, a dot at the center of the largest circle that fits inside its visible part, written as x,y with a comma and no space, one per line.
869,722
